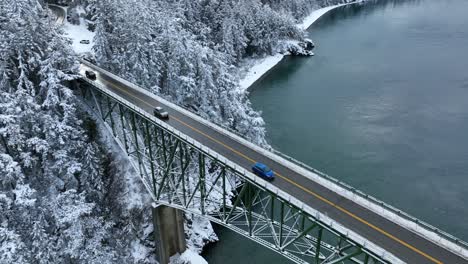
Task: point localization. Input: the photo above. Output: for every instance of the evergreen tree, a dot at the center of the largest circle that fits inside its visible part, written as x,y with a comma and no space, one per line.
47,215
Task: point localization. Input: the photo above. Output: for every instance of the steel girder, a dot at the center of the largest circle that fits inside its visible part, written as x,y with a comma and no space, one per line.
180,174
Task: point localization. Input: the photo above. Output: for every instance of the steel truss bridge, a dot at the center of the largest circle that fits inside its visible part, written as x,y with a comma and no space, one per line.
182,173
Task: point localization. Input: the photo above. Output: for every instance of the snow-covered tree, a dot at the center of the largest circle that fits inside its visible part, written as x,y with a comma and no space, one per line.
193,66
52,172
61,195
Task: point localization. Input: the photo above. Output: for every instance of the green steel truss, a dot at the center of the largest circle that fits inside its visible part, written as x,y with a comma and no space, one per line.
182,174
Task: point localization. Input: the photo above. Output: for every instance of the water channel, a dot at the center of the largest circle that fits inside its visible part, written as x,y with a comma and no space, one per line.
383,106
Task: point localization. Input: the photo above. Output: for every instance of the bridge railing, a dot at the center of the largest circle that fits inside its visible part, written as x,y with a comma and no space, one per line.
290,232
419,223
426,226
378,205
378,202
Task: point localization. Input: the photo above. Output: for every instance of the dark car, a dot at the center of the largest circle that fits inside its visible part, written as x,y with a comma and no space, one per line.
84,41
263,171
90,75
160,113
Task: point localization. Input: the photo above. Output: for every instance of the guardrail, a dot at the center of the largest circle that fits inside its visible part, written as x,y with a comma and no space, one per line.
369,247
462,246
370,198
358,192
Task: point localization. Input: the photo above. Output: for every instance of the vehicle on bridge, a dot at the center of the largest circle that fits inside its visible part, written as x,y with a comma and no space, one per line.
298,232
90,75
160,113
263,171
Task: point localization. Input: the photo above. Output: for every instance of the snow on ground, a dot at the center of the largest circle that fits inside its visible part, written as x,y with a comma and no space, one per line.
79,32
135,194
262,66
188,257
199,232
134,189
314,16
259,68
140,252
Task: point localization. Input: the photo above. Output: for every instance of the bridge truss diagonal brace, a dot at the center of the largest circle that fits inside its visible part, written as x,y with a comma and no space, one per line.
180,173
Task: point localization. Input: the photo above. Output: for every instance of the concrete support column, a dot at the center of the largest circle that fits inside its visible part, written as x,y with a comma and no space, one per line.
168,232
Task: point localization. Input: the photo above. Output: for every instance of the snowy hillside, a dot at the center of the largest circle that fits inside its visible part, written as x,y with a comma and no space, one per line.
66,195
63,192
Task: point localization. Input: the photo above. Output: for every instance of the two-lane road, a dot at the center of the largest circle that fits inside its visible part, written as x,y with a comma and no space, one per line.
399,241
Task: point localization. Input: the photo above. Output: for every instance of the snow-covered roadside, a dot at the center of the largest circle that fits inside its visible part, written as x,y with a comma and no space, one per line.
262,66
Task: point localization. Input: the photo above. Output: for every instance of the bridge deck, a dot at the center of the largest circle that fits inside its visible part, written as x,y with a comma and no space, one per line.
405,244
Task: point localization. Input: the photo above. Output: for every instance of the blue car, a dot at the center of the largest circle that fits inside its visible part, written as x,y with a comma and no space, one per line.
263,170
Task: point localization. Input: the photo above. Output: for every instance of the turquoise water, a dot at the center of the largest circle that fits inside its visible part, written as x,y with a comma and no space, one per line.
382,106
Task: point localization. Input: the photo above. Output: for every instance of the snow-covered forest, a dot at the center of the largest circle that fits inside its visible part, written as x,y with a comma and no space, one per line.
65,196
189,51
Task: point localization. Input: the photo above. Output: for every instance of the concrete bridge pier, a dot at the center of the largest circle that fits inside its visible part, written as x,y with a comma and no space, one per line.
168,232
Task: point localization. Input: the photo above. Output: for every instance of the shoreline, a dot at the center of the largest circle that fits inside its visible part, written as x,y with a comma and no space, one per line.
262,66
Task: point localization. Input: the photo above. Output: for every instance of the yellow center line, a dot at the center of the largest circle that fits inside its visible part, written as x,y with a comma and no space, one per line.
321,198
293,183
361,220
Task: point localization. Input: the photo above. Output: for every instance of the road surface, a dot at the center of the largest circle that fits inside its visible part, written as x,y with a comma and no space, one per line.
59,12
405,244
